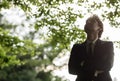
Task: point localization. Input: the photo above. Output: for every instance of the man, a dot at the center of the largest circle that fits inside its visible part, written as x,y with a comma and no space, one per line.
93,59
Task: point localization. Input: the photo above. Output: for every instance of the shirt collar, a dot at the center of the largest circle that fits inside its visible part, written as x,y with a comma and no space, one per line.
92,41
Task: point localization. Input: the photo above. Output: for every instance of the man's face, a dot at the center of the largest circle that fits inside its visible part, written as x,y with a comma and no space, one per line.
92,32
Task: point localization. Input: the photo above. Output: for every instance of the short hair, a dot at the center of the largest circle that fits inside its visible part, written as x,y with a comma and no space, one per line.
92,20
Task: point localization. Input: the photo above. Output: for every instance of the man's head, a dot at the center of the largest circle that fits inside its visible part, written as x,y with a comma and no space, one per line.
93,28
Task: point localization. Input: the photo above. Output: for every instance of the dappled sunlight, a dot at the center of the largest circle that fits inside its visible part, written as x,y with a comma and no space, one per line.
37,36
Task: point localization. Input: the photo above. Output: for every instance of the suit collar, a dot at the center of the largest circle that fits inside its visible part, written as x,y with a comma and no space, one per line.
98,41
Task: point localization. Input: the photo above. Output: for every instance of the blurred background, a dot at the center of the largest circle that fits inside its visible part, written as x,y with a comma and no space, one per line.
36,36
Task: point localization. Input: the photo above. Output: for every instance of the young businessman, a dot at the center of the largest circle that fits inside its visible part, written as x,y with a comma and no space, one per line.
93,59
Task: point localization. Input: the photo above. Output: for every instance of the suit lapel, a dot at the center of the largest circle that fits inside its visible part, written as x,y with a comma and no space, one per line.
84,46
97,47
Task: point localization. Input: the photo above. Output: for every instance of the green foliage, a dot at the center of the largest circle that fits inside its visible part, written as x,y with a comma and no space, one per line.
113,14
7,43
55,23
20,58
44,8
4,4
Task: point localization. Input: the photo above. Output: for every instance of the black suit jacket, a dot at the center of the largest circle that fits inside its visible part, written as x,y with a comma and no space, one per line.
102,60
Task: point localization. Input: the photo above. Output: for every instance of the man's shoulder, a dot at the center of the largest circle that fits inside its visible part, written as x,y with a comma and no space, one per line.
79,44
76,45
106,42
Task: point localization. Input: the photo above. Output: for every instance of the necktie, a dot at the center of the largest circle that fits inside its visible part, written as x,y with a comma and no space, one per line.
90,48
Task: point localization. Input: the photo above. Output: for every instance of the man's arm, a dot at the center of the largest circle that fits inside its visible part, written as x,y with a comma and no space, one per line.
73,64
107,63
